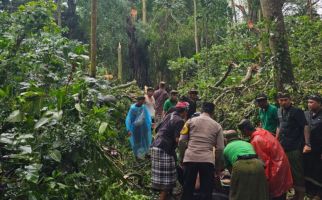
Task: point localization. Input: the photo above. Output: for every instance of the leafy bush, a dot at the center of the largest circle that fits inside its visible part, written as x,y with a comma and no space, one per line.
55,121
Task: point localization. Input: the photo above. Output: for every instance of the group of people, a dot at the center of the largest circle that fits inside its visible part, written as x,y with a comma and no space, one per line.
284,152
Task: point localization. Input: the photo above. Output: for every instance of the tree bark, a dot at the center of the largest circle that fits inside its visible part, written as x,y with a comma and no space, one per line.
233,10
59,13
144,19
253,7
309,8
93,38
195,24
272,12
119,64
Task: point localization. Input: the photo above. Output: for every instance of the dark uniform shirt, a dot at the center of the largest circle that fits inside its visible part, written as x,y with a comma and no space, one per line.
192,108
167,132
315,124
291,124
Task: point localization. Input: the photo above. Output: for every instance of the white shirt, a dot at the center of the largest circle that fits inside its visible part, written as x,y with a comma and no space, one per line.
150,104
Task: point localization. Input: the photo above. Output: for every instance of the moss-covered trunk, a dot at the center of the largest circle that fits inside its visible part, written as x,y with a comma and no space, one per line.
273,15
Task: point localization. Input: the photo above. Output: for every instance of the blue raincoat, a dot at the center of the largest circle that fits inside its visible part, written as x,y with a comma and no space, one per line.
138,122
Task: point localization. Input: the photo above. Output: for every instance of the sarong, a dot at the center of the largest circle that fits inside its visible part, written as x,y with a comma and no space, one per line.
164,174
248,181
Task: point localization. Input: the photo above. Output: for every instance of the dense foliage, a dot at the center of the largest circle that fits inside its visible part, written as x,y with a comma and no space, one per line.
58,126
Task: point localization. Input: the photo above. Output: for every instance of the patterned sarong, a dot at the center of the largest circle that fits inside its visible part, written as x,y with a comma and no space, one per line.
163,170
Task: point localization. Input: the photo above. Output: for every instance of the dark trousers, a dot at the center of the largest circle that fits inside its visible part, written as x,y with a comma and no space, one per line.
206,174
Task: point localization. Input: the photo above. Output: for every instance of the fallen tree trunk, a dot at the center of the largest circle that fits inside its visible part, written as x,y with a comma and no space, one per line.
124,85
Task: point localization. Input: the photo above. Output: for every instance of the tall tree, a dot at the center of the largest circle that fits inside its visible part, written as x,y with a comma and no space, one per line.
119,63
232,2
93,38
59,13
253,8
195,25
144,19
272,12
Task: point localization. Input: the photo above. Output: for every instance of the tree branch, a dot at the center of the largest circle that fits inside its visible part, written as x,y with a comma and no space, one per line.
230,68
124,85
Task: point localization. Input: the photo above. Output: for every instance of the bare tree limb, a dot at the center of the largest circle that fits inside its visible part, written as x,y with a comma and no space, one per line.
229,69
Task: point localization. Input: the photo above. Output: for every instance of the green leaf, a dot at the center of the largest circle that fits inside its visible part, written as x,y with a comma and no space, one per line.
55,155
25,136
32,172
41,122
15,116
25,149
102,128
2,93
78,107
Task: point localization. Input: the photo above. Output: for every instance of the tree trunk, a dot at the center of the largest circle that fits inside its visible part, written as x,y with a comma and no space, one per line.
253,7
309,9
59,13
195,24
119,63
144,19
138,55
233,10
93,38
272,12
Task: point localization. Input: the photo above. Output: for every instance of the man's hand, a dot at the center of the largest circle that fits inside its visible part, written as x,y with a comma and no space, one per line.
307,149
277,133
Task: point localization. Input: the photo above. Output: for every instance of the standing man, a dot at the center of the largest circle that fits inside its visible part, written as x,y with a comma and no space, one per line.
267,114
248,181
204,134
138,124
171,102
268,149
193,97
163,154
160,97
313,159
292,132
150,102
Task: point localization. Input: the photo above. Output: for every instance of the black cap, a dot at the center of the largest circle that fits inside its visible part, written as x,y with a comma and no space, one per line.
315,97
245,124
139,98
150,89
193,91
283,95
261,97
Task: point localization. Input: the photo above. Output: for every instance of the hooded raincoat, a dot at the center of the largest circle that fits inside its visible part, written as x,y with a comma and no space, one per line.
138,122
277,167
